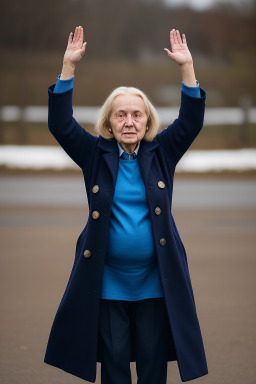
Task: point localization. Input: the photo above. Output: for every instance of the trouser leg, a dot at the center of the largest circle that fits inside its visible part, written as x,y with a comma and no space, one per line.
114,333
151,330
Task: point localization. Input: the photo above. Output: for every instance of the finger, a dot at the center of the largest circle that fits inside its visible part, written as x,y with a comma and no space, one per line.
83,48
172,37
176,37
70,38
80,35
77,34
169,53
184,38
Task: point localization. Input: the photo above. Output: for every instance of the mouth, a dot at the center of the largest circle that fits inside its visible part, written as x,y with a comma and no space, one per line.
129,134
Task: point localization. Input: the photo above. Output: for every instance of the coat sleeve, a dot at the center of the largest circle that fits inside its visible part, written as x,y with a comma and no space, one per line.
178,137
74,139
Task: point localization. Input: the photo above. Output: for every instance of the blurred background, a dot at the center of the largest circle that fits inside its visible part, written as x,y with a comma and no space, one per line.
125,47
43,205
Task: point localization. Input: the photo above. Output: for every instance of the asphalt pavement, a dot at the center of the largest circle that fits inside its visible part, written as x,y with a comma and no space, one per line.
40,220
69,191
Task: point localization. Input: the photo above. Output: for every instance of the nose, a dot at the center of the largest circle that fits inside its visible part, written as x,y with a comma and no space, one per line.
128,121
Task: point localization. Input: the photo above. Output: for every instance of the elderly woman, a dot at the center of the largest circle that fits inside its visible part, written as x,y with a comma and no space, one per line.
129,296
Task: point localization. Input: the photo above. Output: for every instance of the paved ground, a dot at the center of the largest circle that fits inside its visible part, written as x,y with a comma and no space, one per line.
69,190
37,250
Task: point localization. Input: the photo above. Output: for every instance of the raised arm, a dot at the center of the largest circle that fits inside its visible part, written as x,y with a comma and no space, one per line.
178,137
70,135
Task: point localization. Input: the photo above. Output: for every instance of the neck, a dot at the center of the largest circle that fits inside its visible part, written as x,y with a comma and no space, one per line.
129,148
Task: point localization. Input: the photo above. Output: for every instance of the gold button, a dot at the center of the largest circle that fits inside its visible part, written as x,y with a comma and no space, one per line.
87,253
95,189
162,241
95,215
157,211
161,184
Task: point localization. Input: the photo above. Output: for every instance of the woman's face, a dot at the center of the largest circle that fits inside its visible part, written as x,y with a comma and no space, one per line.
128,121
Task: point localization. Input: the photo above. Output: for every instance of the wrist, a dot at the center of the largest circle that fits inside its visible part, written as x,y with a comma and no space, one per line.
188,74
187,67
68,70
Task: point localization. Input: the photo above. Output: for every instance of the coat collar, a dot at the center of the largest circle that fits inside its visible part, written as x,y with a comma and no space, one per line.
107,145
111,156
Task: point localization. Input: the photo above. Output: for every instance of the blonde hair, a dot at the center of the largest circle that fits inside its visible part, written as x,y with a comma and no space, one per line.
103,124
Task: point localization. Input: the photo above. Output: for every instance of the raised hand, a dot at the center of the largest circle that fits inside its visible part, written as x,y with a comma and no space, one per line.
74,53
76,47
180,52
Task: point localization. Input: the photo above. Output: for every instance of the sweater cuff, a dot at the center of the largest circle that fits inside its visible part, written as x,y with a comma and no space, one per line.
63,85
191,91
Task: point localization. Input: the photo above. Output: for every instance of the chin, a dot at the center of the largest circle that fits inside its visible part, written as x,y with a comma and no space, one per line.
130,141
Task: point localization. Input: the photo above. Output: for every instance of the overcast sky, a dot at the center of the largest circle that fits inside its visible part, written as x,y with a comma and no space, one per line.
204,4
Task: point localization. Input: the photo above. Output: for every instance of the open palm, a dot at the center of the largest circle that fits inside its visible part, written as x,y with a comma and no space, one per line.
180,52
76,47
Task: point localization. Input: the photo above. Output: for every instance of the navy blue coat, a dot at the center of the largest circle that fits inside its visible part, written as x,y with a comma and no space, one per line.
73,342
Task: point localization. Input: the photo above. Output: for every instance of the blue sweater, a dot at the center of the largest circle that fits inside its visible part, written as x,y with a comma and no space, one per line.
130,268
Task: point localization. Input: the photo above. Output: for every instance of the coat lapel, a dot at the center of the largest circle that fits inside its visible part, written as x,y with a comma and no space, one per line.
111,157
145,157
112,162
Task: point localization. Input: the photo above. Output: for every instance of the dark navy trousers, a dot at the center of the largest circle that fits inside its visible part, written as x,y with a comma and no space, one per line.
143,322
